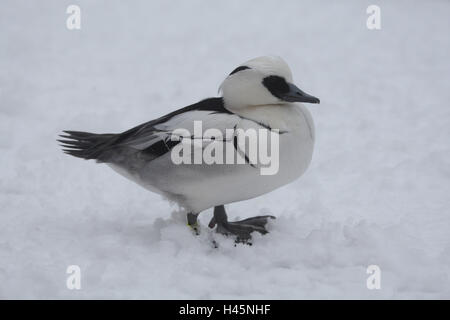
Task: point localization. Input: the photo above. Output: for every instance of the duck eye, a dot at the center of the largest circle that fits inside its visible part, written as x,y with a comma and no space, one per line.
239,69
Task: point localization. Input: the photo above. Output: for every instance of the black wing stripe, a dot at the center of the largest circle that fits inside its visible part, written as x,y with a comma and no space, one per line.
88,145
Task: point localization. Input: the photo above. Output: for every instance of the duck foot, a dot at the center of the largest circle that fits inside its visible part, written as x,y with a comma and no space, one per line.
241,229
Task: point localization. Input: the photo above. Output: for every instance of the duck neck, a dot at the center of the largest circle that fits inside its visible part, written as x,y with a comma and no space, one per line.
275,116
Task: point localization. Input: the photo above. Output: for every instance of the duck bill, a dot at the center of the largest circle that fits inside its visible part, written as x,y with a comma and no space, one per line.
296,95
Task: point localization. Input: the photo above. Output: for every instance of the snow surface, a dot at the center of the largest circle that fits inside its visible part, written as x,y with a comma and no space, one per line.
377,192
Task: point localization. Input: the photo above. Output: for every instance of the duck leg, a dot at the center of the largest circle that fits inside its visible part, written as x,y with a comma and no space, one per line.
192,222
241,229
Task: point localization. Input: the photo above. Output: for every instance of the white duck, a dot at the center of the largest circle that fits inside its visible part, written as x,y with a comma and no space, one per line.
259,95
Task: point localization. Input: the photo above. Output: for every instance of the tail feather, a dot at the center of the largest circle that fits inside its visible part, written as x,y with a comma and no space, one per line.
85,145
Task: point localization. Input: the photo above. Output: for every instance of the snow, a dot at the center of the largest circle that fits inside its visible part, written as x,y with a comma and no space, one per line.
377,191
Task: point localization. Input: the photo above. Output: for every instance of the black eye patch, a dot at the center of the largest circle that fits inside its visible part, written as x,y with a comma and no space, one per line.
239,69
276,85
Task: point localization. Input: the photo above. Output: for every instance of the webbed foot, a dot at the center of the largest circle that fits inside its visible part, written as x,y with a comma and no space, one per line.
241,229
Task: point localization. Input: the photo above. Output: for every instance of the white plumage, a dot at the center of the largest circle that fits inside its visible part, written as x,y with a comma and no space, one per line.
260,95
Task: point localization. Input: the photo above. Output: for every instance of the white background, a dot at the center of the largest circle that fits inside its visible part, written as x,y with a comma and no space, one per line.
377,191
